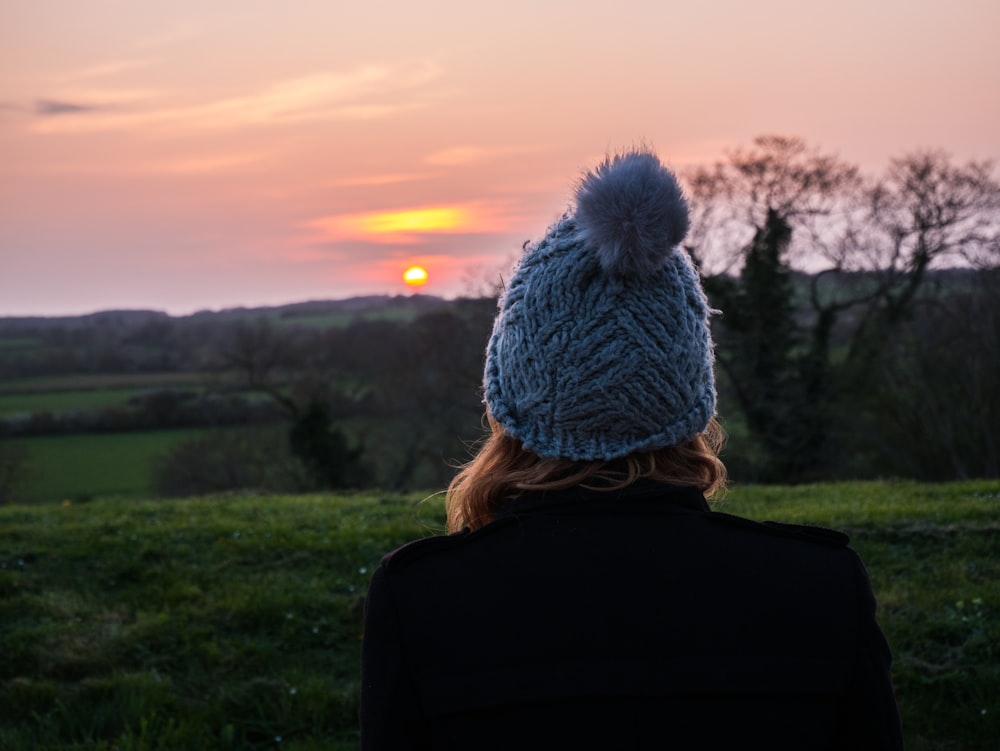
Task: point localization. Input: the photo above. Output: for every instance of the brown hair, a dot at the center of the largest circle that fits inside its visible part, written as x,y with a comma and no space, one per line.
502,469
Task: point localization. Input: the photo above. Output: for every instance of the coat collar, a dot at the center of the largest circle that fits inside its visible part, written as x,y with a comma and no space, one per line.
640,493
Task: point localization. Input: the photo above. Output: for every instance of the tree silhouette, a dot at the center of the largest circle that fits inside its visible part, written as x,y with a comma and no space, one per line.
324,450
797,348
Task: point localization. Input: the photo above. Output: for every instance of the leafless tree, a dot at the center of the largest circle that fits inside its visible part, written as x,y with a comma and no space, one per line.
778,175
868,246
262,357
926,212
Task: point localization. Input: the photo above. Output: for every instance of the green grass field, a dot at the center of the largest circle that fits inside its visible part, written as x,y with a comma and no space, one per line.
12,344
235,622
90,465
65,401
57,394
102,381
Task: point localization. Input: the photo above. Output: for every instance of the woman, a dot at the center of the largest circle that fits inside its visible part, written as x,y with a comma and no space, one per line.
588,598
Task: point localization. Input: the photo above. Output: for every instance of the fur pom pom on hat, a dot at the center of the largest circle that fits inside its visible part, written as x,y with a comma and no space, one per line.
632,212
601,346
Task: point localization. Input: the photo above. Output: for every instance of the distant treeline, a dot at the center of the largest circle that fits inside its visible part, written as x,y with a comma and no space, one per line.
147,341
883,359
395,401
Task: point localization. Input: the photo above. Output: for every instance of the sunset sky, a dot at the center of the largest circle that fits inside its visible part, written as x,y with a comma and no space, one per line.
203,154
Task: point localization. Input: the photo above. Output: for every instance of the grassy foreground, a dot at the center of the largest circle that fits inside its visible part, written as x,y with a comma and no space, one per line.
235,622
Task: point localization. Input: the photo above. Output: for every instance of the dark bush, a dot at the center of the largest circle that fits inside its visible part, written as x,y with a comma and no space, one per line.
252,458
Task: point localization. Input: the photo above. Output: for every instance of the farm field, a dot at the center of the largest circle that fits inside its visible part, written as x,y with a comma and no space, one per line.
54,402
90,465
101,381
55,394
235,621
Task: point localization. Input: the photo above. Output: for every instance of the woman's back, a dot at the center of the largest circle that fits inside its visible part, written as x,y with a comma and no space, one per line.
629,619
589,598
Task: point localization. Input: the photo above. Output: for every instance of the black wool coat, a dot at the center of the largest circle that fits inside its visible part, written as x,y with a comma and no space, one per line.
632,619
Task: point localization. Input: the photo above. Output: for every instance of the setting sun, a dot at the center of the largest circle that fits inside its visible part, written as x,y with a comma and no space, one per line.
415,276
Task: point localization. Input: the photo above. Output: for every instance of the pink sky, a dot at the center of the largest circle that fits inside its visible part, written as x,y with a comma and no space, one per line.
188,154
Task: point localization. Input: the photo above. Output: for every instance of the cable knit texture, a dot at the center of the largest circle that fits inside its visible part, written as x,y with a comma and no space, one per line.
601,346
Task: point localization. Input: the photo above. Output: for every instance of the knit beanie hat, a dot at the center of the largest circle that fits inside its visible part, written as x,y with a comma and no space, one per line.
601,346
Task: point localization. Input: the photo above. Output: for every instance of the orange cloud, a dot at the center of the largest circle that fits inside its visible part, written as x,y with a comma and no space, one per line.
404,225
378,180
198,165
105,69
460,156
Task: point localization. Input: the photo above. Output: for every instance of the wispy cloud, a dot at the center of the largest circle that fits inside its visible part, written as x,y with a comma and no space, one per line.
365,181
320,96
104,69
178,166
168,37
372,91
203,165
55,107
97,104
461,156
